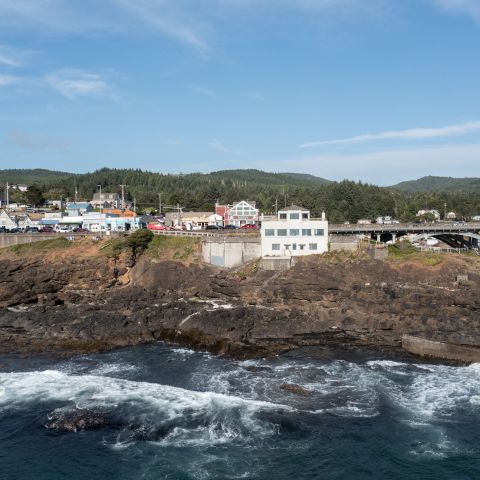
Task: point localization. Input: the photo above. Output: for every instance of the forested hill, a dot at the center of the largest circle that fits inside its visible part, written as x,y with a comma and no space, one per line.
342,201
29,176
431,183
267,178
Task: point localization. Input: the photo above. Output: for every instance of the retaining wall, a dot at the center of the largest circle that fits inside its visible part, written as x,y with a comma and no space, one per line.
230,252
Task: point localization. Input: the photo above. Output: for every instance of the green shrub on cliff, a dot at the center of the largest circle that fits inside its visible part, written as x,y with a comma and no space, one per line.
138,241
178,248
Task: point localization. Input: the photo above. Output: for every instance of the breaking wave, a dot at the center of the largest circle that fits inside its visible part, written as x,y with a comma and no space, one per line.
143,410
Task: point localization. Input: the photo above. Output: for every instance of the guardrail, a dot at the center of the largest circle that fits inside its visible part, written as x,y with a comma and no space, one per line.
405,227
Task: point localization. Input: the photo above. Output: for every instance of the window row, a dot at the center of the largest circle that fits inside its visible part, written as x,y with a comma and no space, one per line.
293,246
294,232
294,216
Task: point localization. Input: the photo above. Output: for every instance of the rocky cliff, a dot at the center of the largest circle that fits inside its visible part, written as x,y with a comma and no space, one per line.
81,299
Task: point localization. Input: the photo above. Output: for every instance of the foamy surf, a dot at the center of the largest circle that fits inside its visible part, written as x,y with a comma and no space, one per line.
177,415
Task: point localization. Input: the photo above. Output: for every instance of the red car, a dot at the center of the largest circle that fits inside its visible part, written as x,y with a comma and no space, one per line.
157,226
46,229
249,226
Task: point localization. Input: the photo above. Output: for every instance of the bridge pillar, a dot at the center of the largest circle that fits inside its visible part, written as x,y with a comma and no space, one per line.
394,237
379,238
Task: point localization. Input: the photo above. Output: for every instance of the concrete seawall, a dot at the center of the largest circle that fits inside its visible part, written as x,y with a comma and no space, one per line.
230,252
443,350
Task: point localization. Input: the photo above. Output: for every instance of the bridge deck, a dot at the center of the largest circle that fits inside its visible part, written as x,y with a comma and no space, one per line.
404,228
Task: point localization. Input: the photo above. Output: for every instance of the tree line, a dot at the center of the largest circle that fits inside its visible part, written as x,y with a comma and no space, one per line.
342,201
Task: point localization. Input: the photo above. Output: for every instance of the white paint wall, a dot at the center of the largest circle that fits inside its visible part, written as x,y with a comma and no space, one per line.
294,245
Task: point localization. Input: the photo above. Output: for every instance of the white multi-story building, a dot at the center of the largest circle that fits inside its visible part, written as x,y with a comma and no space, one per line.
294,233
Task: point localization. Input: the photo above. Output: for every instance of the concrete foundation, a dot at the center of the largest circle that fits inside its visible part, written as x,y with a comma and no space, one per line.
447,351
347,243
230,252
278,264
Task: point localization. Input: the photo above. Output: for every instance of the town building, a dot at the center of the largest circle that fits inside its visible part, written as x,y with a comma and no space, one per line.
106,200
78,208
387,220
294,233
435,213
451,216
240,213
7,221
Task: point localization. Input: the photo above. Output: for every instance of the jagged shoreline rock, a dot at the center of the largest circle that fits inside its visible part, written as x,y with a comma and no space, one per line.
75,304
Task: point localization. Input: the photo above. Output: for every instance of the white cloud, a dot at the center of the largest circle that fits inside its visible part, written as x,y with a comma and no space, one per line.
468,7
389,166
73,83
9,57
36,141
6,80
218,147
255,95
411,134
201,90
170,19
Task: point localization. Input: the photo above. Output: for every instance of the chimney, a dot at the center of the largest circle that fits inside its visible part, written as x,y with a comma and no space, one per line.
323,216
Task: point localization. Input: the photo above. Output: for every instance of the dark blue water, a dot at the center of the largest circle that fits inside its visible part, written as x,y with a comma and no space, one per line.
175,414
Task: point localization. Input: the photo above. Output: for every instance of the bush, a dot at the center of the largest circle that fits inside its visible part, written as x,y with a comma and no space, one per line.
138,241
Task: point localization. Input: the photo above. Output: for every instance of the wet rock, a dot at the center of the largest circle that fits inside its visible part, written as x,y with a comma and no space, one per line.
76,420
296,389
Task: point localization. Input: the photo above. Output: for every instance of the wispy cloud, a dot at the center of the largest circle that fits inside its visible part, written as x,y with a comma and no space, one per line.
403,164
218,147
72,83
37,141
201,90
255,95
467,7
169,18
10,57
411,134
6,80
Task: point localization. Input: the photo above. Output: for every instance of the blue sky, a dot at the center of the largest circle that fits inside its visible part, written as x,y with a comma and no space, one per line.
373,90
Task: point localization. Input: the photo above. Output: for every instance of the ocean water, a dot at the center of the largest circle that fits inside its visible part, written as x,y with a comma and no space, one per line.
171,413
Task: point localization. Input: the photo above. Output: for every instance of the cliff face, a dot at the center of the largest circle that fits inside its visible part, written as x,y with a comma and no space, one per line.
72,301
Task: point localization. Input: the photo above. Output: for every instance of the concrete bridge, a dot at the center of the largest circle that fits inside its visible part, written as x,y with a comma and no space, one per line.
455,235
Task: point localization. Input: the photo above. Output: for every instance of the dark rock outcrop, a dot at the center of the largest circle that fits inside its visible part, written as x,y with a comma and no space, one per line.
95,303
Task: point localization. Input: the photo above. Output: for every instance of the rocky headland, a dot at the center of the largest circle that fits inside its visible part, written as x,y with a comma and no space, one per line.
94,296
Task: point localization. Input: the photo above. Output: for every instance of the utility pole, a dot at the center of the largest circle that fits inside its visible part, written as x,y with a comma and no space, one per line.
7,194
76,193
445,211
135,206
101,211
159,204
123,196
276,206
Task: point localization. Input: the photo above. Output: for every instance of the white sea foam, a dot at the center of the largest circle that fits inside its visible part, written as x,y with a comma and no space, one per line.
185,415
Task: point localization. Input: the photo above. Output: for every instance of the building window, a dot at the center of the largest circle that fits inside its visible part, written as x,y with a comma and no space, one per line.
319,232
302,246
282,232
305,216
294,246
275,246
269,232
294,216
283,216
306,232
312,246
295,232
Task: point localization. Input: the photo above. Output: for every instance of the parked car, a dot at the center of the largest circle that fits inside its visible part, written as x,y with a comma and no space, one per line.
158,226
46,229
14,230
81,230
230,227
214,227
62,230
249,226
30,230
2,229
